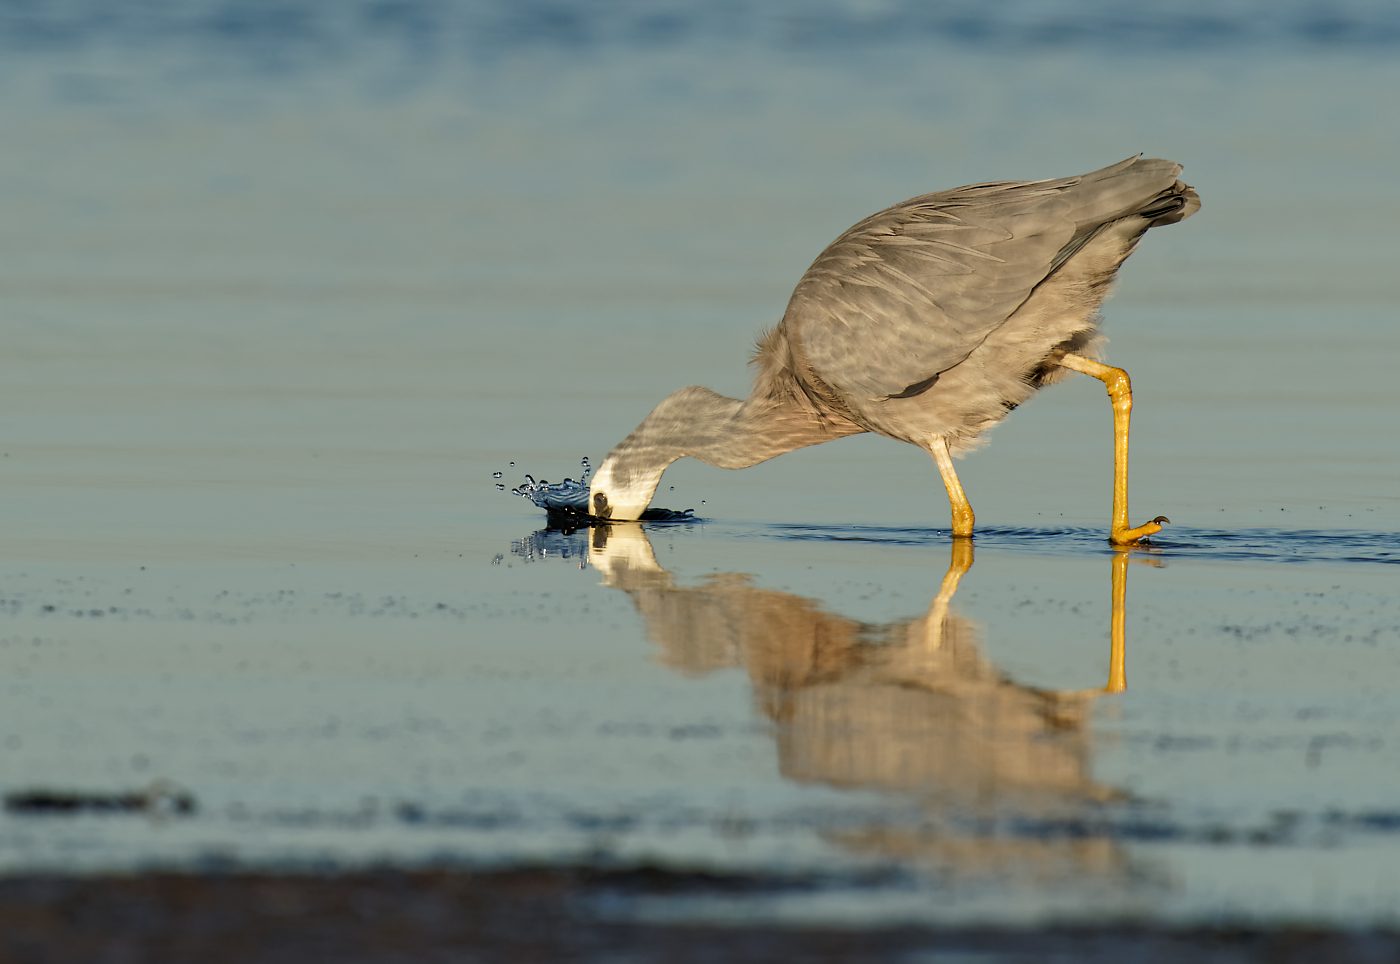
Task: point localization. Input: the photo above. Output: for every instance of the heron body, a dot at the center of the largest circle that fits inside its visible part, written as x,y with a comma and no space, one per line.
926,322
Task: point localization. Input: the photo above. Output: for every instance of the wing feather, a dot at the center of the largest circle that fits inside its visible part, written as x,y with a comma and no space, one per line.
911,291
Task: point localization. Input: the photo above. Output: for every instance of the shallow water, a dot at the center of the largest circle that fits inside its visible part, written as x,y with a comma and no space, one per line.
989,747
283,294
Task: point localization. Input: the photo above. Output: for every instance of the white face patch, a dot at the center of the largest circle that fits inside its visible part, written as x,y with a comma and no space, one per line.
608,499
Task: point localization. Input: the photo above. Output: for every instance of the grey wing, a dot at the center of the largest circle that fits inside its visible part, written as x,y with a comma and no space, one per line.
912,291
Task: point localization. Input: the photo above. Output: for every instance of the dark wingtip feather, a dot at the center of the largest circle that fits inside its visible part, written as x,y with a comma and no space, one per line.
1177,203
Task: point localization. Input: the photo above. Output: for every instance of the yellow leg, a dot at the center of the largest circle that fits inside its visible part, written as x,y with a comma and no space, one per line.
957,499
1120,390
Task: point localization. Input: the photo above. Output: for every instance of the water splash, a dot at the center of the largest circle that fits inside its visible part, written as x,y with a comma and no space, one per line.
568,496
567,501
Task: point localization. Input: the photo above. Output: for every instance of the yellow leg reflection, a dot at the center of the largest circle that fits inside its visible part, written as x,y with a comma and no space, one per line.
930,630
1117,672
958,566
1120,390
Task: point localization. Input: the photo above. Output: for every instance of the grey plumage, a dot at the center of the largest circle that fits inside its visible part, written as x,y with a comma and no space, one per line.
926,322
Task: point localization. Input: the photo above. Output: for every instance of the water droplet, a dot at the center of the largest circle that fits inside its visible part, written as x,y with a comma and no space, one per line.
670,488
501,486
512,465
702,501
497,475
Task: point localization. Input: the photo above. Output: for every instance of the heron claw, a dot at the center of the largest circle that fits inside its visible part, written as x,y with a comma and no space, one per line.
1128,537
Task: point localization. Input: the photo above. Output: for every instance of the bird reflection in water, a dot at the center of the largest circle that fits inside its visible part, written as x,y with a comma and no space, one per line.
1002,770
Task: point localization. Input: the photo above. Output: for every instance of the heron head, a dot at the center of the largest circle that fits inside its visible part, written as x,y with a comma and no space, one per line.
618,496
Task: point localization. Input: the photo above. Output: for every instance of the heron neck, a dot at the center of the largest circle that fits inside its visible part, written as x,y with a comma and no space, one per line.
716,429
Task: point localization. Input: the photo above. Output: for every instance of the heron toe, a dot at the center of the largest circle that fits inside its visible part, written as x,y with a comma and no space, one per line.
1127,537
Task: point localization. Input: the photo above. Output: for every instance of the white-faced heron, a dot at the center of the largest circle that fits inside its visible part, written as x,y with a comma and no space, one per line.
927,322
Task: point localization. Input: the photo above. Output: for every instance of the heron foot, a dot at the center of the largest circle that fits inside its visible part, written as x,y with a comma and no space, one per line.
1128,537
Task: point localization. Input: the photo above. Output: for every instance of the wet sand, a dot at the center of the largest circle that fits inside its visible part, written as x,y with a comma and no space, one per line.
547,914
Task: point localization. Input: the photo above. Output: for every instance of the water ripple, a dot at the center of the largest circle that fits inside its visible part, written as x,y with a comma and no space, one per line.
1257,544
568,538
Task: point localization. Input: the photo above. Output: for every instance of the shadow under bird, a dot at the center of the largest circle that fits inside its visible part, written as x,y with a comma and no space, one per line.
927,323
